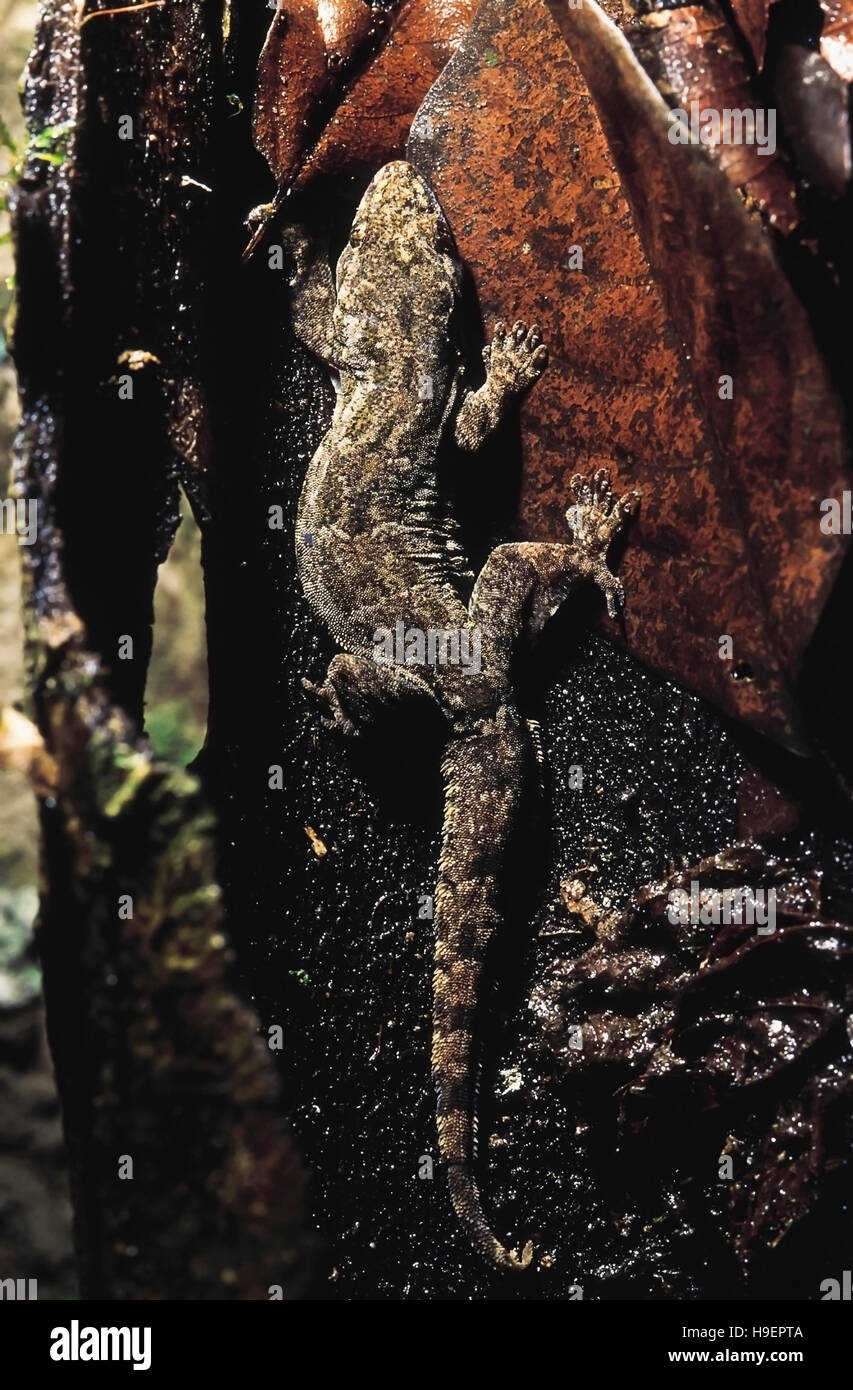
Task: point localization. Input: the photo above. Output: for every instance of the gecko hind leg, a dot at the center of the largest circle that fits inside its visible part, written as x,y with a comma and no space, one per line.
595,519
356,690
522,584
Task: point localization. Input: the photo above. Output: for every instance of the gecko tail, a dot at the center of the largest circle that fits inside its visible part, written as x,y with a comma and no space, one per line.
486,766
466,1204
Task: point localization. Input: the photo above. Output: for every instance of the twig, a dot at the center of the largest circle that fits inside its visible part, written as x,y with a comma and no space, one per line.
123,9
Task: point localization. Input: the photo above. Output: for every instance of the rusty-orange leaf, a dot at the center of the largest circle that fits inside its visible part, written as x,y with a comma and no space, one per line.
836,40
679,356
338,84
692,55
309,50
752,17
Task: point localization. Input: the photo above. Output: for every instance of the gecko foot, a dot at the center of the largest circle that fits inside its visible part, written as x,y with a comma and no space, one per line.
327,696
515,359
357,691
595,519
259,216
293,236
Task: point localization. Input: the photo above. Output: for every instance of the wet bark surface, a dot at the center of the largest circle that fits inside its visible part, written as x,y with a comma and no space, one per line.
184,1180
322,887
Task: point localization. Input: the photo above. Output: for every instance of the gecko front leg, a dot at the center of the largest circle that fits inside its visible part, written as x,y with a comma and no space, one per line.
356,691
312,285
513,361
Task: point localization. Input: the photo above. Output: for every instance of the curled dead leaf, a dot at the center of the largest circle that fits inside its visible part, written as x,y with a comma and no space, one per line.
315,842
836,39
694,56
752,17
309,51
22,750
678,354
338,84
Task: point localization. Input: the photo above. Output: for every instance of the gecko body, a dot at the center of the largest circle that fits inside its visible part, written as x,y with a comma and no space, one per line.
377,545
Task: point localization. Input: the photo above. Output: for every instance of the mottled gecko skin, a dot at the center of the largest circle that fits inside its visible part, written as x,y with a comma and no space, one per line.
376,544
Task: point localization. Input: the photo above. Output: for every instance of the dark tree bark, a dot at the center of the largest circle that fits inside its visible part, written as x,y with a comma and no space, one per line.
156,1057
321,888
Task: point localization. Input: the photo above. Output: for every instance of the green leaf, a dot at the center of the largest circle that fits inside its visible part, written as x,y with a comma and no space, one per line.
6,137
51,144
53,134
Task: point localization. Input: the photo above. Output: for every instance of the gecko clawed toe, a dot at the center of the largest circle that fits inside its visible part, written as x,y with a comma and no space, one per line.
513,361
380,559
596,517
516,358
326,696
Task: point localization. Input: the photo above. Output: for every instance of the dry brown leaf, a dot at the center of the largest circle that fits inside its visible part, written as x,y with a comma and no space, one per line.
836,40
692,55
678,290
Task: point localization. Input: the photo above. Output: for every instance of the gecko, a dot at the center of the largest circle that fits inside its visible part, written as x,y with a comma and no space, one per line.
377,544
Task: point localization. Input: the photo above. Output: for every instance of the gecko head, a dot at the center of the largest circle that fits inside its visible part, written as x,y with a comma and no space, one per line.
400,202
398,276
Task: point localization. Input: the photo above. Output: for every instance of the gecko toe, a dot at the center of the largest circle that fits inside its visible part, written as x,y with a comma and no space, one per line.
616,599
580,488
629,502
522,1261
